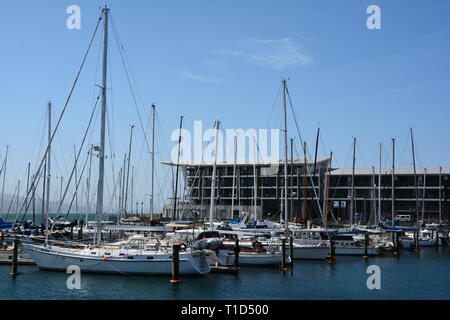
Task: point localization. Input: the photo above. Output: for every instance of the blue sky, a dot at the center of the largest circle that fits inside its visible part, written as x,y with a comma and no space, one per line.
209,60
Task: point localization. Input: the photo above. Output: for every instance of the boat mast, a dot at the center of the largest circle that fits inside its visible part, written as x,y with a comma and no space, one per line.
176,176
352,199
60,193
4,176
423,196
47,202
101,155
415,173
255,188
393,181
153,161
76,179
119,210
327,191
440,195
316,150
46,183
128,173
44,218
379,186
33,199
18,194
305,190
234,177
291,212
286,223
213,184
374,192
88,187
122,208
315,165
132,189
28,187
281,206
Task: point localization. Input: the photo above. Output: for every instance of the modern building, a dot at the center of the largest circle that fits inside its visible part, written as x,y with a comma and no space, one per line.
258,189
424,195
263,179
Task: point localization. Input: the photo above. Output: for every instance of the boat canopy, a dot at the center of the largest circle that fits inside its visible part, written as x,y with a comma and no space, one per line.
400,229
116,227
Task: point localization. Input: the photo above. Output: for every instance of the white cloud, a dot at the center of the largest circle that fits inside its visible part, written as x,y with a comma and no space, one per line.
197,77
272,53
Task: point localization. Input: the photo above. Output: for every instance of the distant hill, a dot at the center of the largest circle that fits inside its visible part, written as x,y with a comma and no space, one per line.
10,206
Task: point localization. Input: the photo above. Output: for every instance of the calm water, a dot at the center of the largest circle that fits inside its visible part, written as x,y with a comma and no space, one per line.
411,276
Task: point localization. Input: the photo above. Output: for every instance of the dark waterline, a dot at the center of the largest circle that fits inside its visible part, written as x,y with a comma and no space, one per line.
411,276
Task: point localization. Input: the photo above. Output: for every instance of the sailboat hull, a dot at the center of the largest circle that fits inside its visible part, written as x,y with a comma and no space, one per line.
150,264
408,243
310,252
263,259
348,251
343,250
226,258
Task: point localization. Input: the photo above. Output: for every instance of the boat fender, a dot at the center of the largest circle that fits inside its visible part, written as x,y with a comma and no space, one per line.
183,247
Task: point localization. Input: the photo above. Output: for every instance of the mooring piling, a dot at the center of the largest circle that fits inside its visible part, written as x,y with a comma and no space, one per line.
283,255
366,245
236,253
14,272
416,241
332,254
435,236
175,264
395,238
291,250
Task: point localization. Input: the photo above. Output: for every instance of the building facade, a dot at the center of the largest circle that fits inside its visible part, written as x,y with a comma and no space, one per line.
258,189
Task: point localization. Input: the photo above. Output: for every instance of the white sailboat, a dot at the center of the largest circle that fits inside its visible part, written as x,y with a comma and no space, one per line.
345,245
427,238
137,256
251,255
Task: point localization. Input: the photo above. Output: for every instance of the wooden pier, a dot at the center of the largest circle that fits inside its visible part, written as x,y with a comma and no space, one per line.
6,258
224,269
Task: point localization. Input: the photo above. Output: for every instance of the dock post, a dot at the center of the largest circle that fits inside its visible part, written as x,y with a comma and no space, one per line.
71,232
14,260
397,245
110,235
2,238
393,242
416,241
332,254
283,254
396,249
175,264
236,253
291,250
366,245
435,236
80,232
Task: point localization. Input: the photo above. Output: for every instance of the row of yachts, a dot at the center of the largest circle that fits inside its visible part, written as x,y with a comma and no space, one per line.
148,250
